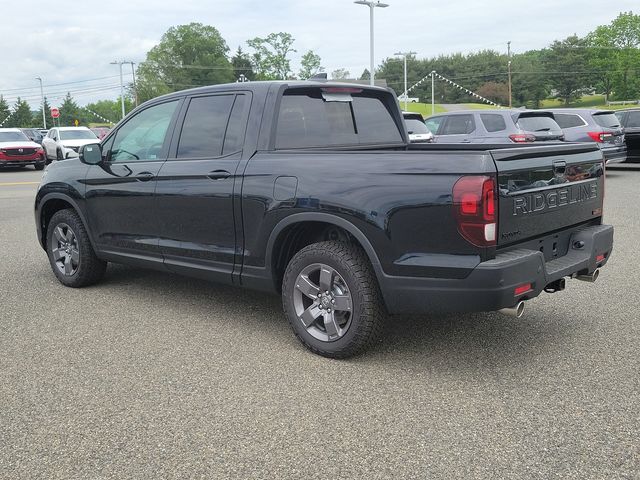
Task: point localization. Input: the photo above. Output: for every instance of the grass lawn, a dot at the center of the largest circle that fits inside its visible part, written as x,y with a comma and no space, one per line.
425,108
587,101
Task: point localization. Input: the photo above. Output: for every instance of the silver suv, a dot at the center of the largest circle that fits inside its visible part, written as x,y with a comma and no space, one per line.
494,126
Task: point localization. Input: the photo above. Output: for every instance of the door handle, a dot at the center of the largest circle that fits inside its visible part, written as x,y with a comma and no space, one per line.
466,140
218,175
145,176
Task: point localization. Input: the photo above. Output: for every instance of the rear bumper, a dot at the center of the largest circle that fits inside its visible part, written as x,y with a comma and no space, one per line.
615,154
490,286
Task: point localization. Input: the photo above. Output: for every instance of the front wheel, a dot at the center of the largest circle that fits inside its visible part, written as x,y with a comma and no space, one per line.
59,155
71,255
39,166
332,300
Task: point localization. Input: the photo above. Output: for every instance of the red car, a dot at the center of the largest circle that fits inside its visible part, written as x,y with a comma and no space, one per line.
16,150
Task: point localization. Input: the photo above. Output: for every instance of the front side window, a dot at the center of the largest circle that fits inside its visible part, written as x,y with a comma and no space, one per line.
633,119
459,125
143,136
204,126
433,123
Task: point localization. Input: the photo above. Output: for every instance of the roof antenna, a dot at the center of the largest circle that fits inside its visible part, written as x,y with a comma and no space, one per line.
319,77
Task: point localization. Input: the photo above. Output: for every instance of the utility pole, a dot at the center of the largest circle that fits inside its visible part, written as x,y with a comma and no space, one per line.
120,63
135,90
404,57
371,6
44,115
433,97
509,69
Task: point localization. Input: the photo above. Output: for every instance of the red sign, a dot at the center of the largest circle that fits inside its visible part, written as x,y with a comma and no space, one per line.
55,113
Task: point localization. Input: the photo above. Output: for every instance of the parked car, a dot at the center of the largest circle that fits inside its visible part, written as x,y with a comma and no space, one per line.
61,141
16,150
592,125
630,120
312,190
100,132
494,126
403,98
417,130
33,134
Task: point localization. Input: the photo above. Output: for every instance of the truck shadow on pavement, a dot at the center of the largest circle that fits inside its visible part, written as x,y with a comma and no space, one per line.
471,339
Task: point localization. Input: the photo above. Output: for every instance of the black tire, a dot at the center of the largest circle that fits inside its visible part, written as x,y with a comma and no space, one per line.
87,268
59,155
39,166
365,319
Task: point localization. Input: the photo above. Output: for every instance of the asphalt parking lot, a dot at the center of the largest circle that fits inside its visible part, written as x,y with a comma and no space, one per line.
149,375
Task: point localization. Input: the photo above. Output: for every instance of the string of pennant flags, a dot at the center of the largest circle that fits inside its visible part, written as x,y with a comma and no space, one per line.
84,108
452,83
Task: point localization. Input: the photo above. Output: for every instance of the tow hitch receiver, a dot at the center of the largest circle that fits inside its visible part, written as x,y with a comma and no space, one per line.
556,286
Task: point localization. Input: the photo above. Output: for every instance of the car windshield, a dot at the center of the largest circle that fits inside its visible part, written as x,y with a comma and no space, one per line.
12,137
416,126
77,135
606,120
537,124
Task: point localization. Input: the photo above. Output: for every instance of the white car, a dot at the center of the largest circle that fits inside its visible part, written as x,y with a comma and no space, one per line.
16,150
403,99
416,128
61,141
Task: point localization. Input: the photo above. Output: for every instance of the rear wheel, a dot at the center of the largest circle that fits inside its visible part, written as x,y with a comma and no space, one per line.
332,300
71,255
59,155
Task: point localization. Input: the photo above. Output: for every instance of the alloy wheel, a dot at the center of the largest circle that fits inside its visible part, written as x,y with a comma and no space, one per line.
65,250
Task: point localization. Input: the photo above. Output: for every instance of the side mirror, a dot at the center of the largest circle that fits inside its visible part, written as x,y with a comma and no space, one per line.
91,154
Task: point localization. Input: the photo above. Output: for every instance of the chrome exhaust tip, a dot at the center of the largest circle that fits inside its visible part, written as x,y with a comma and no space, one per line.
591,277
516,311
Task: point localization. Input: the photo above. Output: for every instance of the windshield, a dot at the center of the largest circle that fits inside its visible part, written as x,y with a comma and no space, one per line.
13,137
606,120
77,135
537,124
416,126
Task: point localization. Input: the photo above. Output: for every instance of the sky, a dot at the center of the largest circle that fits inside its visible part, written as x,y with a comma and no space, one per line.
70,44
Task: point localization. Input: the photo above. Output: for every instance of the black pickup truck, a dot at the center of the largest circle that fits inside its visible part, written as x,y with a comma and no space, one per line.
312,190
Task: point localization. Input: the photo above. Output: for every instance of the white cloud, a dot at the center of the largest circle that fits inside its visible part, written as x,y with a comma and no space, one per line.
71,41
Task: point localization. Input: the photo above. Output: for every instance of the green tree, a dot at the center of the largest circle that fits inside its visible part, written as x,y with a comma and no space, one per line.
529,83
187,56
309,65
566,65
270,55
5,111
69,112
242,65
365,75
340,74
22,116
109,109
37,117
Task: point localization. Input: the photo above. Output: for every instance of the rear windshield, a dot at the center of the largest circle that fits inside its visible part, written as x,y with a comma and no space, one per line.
77,135
313,118
416,126
12,137
537,124
606,120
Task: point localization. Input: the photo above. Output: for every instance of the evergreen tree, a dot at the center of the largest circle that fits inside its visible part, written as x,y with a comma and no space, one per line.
5,111
37,117
22,116
242,65
69,112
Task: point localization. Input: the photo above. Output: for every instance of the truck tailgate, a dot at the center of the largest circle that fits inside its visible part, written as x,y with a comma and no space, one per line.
546,189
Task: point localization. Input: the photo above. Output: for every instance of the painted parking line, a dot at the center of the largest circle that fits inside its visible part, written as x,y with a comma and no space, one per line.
10,184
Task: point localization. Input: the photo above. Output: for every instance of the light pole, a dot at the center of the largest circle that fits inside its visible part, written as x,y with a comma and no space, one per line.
371,6
44,116
404,57
509,67
433,89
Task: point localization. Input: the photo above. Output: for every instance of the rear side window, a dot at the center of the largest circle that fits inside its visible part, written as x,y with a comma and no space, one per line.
307,118
633,119
493,122
415,126
204,126
567,120
606,120
459,125
537,124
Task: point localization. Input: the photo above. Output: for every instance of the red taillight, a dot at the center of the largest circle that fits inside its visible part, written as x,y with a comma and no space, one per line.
520,289
596,136
600,257
474,203
522,138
